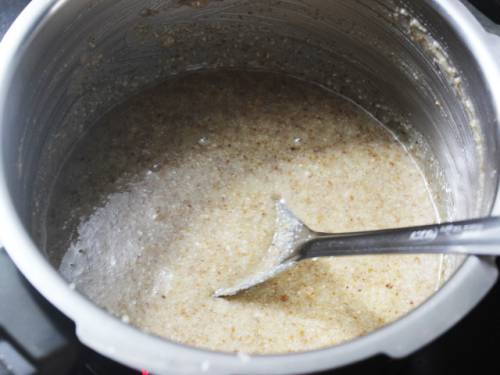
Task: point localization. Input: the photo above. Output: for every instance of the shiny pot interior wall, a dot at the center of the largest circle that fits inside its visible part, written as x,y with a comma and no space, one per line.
90,55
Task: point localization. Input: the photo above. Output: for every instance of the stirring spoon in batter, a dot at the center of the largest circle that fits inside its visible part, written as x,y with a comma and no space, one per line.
293,241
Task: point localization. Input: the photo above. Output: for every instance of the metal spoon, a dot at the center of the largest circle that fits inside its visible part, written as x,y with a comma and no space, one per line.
293,241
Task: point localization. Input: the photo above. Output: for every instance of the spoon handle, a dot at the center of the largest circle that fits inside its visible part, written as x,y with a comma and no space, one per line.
476,236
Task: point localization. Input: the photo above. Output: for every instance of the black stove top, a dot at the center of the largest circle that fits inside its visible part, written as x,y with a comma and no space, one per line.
37,338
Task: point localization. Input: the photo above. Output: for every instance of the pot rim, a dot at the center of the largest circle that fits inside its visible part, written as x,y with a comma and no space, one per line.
129,345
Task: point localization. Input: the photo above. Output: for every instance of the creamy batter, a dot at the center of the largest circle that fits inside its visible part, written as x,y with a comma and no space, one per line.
172,196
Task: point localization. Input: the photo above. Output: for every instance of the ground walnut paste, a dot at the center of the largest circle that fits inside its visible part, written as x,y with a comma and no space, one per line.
171,196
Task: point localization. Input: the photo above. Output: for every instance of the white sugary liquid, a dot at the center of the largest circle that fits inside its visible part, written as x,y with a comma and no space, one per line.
185,177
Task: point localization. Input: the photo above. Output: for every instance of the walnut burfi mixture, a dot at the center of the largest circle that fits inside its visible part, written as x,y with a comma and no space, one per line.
171,196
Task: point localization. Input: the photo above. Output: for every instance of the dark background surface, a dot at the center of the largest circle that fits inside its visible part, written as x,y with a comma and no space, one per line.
489,7
472,346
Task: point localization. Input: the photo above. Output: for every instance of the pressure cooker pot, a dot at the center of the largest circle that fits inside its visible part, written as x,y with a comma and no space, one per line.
432,66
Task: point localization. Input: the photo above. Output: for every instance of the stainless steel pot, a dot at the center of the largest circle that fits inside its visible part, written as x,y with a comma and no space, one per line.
431,64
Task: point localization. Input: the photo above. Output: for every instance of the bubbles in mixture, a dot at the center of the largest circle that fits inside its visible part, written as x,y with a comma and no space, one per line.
172,196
